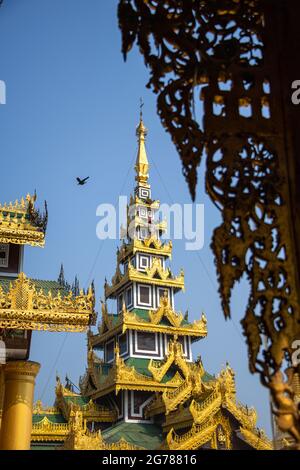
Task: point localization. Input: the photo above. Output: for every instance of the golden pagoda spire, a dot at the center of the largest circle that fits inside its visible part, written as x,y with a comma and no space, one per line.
141,164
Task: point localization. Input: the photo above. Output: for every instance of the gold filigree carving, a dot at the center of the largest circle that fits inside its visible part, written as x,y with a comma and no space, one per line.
24,307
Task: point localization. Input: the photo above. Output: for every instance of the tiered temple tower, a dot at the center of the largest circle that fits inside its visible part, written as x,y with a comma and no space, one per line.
145,329
142,388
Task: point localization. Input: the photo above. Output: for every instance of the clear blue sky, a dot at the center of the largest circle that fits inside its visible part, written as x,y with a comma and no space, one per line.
72,109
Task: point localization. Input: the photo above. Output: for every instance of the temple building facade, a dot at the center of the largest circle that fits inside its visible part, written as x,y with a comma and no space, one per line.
142,388
26,305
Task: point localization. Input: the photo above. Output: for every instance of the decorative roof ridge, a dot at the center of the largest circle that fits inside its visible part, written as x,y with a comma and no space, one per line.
129,319
257,438
19,206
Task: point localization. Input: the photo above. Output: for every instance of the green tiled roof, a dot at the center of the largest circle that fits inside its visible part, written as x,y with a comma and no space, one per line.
114,318
141,366
207,377
148,436
103,370
46,286
53,417
141,313
77,400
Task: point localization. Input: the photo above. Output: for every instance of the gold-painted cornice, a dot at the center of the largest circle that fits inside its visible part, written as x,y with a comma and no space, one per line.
19,235
246,416
191,386
156,275
24,307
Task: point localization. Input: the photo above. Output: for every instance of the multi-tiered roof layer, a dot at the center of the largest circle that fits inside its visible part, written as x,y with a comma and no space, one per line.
141,383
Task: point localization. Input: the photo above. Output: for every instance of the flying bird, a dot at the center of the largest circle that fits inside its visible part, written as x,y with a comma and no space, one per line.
83,181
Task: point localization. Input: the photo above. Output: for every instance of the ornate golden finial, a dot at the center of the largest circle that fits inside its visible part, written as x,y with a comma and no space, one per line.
141,165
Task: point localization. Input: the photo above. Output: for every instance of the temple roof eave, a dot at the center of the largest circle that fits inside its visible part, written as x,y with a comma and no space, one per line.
101,338
18,236
24,306
131,320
